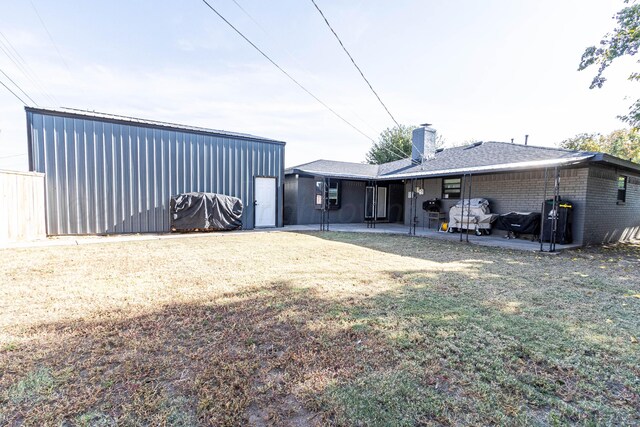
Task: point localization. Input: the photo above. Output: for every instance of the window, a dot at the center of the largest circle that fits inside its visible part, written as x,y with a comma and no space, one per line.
334,195
330,190
451,188
622,189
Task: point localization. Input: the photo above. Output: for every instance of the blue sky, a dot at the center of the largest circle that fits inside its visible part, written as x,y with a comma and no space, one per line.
486,70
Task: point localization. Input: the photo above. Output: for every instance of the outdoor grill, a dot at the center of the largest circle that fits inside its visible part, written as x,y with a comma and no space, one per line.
471,214
431,205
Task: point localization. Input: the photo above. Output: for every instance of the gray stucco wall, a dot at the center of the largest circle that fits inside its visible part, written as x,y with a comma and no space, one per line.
517,191
302,211
606,220
290,209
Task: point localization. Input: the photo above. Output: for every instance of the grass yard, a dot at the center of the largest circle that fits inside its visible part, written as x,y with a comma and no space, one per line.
310,329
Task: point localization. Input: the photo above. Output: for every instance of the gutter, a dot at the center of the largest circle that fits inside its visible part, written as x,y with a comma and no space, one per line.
616,161
330,175
505,167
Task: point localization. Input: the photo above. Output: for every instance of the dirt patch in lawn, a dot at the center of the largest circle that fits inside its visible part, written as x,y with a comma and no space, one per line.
316,329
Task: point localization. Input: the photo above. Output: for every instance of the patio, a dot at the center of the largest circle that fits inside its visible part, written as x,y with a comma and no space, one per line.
496,239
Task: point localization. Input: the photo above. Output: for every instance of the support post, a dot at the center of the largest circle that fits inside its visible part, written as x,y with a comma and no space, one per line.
469,204
544,201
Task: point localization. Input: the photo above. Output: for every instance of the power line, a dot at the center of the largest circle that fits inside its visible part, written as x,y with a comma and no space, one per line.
18,86
50,37
286,73
12,92
12,53
293,57
354,62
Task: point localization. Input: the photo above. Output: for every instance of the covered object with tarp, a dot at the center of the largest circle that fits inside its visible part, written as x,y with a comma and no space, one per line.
205,212
519,222
471,214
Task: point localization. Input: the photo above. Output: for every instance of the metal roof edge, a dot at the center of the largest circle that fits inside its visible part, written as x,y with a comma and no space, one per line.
328,175
504,167
616,161
133,121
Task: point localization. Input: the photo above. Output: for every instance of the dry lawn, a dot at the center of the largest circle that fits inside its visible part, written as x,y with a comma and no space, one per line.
316,329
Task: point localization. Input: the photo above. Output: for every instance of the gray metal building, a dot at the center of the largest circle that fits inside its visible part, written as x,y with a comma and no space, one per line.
109,174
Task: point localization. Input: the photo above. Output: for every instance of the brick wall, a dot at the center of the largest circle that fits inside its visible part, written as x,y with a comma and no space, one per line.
606,220
515,191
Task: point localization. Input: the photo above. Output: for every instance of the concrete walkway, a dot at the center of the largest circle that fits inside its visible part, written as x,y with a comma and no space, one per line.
496,239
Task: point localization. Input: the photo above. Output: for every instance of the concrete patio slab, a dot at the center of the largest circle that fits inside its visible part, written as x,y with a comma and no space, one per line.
497,239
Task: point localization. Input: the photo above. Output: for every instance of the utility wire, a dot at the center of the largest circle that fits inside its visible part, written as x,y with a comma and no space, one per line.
18,86
359,70
12,92
354,62
12,53
286,73
293,57
50,37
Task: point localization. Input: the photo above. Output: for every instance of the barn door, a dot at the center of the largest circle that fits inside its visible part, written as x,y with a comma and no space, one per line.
265,202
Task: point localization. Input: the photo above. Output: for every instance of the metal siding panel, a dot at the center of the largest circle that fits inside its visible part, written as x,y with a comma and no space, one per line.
166,178
112,164
90,174
134,182
123,159
180,161
201,165
144,175
191,163
100,177
73,176
61,169
219,157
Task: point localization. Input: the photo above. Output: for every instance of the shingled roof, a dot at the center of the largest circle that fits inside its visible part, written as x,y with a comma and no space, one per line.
483,157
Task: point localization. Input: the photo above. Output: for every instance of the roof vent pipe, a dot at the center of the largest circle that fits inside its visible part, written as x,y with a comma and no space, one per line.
526,139
512,140
423,144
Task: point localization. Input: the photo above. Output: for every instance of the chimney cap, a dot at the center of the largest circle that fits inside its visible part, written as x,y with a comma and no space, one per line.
425,124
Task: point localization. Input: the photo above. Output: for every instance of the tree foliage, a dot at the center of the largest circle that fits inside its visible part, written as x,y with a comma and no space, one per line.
623,143
393,144
624,40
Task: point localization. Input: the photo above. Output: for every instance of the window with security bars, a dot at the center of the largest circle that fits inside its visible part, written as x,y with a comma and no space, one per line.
451,188
622,189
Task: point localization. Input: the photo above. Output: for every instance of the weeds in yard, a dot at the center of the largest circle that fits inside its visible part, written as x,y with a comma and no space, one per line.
34,387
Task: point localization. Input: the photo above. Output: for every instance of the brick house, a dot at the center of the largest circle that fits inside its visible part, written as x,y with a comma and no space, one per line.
604,190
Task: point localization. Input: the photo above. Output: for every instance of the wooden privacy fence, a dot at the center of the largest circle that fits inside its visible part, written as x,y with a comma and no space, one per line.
22,209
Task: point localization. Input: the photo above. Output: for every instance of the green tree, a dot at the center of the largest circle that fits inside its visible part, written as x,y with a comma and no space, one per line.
623,143
624,40
393,144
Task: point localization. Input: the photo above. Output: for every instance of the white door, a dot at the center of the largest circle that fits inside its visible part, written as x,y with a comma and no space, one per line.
265,202
381,203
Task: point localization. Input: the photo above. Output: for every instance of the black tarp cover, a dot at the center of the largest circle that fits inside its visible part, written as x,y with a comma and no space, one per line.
205,212
519,222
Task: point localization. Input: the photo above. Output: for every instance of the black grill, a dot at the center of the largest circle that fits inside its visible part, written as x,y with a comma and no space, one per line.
432,205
